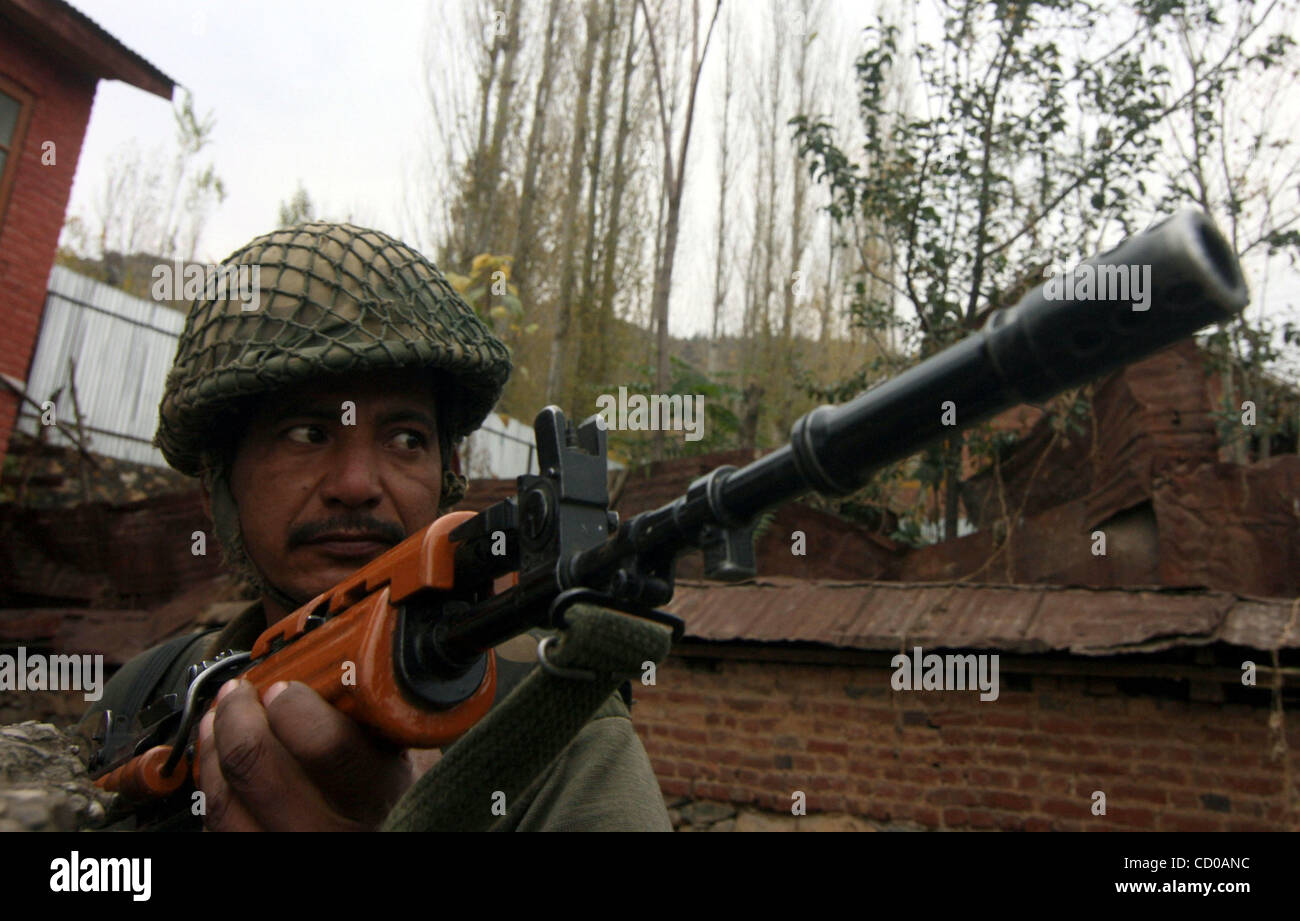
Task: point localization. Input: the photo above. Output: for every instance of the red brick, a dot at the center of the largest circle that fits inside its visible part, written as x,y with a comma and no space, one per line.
959,796
663,768
1027,782
1131,817
956,818
823,745
1126,792
1254,783
1007,821
1184,799
1071,809
925,816
688,735
1056,724
1179,822
672,786
1162,773
999,799
1007,720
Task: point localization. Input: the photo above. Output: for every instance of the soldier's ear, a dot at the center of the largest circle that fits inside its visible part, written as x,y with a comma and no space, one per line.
207,497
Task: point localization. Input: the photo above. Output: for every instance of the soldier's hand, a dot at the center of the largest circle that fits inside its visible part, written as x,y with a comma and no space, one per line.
291,762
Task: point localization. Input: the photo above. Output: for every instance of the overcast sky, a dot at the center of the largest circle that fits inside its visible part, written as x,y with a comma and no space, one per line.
325,93
330,93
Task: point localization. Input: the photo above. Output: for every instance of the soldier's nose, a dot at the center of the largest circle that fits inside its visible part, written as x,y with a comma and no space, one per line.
352,478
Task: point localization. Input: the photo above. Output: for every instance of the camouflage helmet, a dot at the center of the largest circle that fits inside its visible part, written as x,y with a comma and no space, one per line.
331,298
326,299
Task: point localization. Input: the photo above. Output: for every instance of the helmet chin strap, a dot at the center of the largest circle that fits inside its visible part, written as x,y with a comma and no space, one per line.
225,521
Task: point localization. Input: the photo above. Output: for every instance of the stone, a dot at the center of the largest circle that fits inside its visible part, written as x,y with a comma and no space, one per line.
724,825
833,823
43,784
706,813
31,808
750,820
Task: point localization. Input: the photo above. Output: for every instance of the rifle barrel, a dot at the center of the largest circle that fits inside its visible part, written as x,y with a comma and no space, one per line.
1046,343
1053,339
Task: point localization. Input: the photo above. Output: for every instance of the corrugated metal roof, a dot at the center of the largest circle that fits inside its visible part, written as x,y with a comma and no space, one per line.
50,20
1014,618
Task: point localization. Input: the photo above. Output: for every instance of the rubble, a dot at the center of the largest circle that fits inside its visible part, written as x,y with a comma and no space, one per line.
43,784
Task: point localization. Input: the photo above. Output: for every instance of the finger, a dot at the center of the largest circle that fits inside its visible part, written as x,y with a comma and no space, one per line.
222,810
361,777
270,785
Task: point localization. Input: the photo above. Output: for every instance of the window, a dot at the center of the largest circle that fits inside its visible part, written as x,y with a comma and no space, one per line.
15,107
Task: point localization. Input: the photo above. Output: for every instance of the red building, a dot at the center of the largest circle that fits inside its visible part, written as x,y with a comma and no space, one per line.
51,61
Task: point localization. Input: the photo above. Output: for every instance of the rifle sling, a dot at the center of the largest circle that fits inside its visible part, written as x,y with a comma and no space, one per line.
509,750
146,681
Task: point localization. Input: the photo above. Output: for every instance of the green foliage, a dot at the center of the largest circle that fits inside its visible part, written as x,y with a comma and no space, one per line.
299,209
488,290
1035,127
721,424
1245,357
909,533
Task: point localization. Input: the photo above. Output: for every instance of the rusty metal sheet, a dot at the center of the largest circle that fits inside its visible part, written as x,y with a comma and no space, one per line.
890,616
994,618
1260,624
1104,622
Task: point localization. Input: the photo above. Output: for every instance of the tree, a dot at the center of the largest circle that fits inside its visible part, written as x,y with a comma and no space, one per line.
1026,155
569,263
674,174
143,206
1234,159
297,210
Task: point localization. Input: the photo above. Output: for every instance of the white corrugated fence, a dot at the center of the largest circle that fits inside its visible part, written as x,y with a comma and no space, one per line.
123,347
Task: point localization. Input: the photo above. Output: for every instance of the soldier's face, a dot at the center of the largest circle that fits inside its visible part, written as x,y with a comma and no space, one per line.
329,476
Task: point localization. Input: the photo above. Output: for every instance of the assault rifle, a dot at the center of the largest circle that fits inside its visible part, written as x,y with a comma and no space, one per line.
419,622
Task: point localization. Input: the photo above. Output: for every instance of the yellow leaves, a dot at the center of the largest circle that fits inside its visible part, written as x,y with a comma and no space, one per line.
486,263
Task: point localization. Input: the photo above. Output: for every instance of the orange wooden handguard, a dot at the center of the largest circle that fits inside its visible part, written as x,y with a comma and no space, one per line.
348,660
141,778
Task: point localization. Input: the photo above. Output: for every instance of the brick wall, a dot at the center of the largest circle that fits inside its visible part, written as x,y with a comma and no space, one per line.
753,733
33,219
134,555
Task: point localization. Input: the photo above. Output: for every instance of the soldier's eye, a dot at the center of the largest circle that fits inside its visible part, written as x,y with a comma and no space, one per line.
410,441
306,434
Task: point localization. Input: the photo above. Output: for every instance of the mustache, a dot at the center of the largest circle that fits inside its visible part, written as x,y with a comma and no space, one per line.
385,530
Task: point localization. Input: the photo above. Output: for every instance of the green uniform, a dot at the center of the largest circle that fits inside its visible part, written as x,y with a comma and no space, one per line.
601,782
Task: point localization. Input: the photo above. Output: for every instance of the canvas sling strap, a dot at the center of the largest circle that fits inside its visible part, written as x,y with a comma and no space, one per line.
145,682
509,750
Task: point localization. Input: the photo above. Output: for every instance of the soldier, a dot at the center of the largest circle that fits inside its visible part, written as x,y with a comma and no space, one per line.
254,407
